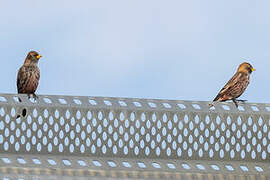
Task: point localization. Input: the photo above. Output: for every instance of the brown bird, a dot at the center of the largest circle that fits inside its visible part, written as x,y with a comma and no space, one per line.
236,85
28,75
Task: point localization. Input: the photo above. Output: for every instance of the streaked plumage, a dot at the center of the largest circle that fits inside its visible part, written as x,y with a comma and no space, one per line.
29,74
236,85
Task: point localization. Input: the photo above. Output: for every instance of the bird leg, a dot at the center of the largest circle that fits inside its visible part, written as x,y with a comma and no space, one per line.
235,102
35,96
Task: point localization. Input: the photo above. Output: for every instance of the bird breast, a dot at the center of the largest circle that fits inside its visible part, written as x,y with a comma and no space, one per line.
28,78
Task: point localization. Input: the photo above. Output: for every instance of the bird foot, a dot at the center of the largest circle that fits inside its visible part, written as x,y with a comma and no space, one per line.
235,102
210,105
33,95
241,100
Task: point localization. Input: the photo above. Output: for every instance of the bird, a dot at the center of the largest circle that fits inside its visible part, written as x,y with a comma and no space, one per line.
28,75
236,86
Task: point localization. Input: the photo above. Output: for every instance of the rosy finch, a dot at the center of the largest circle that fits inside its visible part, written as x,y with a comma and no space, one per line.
236,85
28,75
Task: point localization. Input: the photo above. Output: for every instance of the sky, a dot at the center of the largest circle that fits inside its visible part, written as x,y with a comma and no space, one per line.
185,50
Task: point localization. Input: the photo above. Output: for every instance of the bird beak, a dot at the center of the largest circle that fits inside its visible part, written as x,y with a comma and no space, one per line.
252,69
39,56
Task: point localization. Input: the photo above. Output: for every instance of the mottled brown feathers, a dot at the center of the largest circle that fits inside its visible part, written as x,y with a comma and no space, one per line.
236,85
234,88
27,79
29,74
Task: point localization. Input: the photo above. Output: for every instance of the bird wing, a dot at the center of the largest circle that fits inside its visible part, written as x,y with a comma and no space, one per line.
231,83
22,79
27,79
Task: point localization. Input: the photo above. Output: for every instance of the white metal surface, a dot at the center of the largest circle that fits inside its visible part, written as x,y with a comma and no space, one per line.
110,138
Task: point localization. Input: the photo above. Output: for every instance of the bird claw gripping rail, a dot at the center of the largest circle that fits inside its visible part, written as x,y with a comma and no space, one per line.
110,138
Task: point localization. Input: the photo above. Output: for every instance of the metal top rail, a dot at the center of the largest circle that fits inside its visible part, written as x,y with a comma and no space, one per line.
110,138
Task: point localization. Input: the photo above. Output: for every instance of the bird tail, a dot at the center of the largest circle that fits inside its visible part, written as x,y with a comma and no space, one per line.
217,98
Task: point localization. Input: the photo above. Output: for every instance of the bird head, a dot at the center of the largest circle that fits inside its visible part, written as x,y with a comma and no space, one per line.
32,57
246,68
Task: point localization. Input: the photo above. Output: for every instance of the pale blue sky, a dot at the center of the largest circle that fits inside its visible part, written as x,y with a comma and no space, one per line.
151,49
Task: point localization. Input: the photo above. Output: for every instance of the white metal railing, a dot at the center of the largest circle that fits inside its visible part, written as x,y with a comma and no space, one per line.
132,138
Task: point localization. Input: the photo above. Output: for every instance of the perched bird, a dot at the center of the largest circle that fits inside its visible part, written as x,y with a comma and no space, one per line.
236,85
28,75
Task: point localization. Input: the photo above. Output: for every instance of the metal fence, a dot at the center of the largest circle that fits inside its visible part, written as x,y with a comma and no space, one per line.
109,138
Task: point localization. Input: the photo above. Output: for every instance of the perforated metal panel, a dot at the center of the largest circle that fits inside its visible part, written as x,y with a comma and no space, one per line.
83,137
